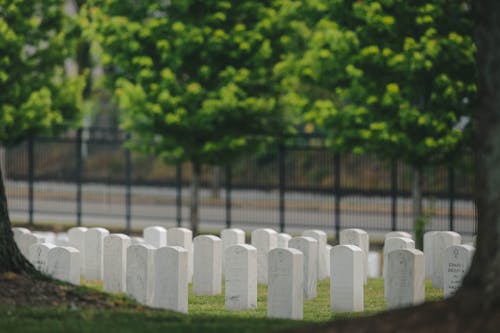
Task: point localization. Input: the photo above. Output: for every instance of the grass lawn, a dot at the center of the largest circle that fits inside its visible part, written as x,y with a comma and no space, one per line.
206,314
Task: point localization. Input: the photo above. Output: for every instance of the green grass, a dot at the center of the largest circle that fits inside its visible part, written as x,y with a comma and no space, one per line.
206,314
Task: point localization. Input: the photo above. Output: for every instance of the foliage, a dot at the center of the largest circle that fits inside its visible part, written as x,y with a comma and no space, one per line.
390,77
35,93
193,78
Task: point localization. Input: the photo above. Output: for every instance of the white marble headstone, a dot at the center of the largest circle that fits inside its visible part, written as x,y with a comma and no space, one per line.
207,274
94,241
155,236
359,238
402,234
183,237
230,237
285,294
347,279
442,240
64,264
321,237
406,281
264,240
309,248
26,240
457,260
115,262
76,236
139,273
241,277
282,240
39,256
170,290
429,252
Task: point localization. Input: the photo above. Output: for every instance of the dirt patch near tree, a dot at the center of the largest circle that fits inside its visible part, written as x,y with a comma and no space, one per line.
23,290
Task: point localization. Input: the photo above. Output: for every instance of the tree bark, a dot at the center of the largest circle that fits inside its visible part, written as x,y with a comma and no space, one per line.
11,259
485,270
195,196
418,216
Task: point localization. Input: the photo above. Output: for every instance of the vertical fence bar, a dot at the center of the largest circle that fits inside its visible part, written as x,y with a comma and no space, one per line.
337,190
178,193
228,196
78,177
281,170
394,195
31,178
128,189
451,196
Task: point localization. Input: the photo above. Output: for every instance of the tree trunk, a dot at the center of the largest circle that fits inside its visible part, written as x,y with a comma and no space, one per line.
418,216
485,270
2,161
11,259
195,195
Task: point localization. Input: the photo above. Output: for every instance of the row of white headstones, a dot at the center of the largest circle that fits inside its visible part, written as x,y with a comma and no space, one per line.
156,269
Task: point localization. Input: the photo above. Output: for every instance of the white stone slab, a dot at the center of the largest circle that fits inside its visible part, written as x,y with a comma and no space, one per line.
26,240
285,294
320,236
391,244
405,275
17,235
402,234
139,273
241,277
328,251
170,289
94,241
207,274
442,240
39,256
347,279
230,237
115,262
64,264
76,237
429,252
46,236
155,236
309,248
374,261
183,237
282,240
264,240
359,238
457,260
137,240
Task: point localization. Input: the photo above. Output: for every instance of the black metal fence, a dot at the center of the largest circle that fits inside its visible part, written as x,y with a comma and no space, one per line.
90,178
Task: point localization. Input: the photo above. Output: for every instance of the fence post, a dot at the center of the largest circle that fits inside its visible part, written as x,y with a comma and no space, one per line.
281,170
178,193
128,189
31,176
337,189
394,194
451,195
78,177
228,196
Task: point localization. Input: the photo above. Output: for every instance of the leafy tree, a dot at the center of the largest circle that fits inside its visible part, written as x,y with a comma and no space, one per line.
389,77
35,94
193,78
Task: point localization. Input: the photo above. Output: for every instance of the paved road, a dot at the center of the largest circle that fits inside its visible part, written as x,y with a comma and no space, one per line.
104,205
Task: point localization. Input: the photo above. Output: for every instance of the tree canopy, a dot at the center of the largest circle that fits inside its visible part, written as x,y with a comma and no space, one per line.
390,77
36,95
193,78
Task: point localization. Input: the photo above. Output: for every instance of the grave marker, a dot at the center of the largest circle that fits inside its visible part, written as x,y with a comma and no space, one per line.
285,294
39,256
347,279
241,277
155,236
457,260
442,240
170,290
115,262
264,240
183,237
94,241
207,272
309,248
76,236
139,273
64,264
320,236
359,238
